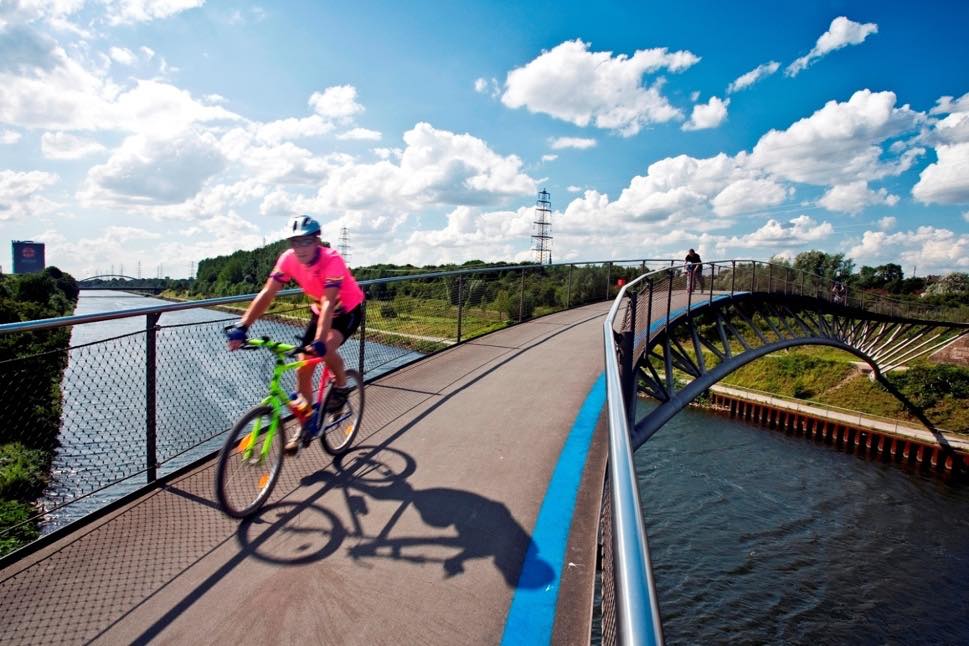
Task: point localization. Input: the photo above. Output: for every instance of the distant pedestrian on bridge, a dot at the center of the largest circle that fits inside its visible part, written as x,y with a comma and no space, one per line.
694,271
324,277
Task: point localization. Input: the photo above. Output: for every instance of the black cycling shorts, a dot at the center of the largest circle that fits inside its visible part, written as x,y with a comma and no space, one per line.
346,323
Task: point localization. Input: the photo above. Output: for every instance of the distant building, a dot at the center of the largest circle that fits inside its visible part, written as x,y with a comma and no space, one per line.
28,256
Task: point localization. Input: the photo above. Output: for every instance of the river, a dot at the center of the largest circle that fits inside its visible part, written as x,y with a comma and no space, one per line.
760,537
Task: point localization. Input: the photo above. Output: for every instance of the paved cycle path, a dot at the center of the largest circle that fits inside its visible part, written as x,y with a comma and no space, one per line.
418,536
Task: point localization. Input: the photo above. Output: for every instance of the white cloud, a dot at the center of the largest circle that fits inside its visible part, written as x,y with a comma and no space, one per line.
290,128
147,52
933,250
60,92
148,171
887,223
747,195
360,134
947,180
841,33
746,80
487,86
20,194
122,55
572,188
840,143
9,137
965,216
774,234
469,233
60,145
946,104
855,197
707,115
573,84
435,168
580,143
953,129
336,102
134,11
547,158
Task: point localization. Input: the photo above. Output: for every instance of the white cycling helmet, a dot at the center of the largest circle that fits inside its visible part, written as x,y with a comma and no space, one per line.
302,225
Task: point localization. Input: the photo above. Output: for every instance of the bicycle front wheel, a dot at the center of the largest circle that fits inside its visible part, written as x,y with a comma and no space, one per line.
340,427
248,469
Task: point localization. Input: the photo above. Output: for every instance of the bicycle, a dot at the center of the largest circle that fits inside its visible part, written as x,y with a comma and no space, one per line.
251,460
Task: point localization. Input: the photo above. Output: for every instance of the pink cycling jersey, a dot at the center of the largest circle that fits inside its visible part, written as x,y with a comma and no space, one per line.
327,271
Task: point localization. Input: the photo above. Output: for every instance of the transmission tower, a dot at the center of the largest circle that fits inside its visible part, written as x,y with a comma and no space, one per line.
345,244
542,229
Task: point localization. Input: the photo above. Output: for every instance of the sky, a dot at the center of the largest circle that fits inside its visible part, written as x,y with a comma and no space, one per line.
141,136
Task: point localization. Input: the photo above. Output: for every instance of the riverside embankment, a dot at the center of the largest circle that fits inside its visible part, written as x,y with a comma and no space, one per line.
853,432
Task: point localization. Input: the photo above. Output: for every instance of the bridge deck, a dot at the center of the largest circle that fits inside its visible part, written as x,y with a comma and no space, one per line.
417,536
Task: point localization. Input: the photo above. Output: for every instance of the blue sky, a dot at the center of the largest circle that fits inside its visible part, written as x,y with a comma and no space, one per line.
162,132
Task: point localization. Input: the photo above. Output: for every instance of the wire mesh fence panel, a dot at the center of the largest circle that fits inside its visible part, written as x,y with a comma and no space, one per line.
408,319
483,310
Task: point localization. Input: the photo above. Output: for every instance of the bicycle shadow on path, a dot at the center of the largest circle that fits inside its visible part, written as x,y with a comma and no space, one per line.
485,528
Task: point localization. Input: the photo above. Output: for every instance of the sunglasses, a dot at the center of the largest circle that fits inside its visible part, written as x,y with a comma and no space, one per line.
302,242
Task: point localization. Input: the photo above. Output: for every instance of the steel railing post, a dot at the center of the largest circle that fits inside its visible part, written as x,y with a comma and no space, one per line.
521,299
151,419
628,369
733,276
770,278
713,277
649,310
363,336
568,291
608,278
460,304
669,299
753,276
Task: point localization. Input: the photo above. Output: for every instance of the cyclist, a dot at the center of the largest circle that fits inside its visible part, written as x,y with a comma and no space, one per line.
694,270
337,302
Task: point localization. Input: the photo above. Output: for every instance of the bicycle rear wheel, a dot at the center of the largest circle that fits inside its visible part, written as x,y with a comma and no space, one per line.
339,428
244,478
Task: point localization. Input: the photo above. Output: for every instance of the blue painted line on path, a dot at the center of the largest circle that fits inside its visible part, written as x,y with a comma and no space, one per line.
532,613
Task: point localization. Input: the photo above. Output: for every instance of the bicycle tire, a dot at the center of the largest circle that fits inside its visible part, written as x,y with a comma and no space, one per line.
337,439
231,493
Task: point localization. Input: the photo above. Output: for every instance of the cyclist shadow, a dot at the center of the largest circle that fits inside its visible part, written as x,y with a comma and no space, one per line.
482,528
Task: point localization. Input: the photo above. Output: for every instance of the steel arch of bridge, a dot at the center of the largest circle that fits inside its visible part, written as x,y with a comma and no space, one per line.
108,277
666,330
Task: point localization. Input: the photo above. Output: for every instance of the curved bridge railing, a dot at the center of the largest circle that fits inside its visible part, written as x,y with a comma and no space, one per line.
673,333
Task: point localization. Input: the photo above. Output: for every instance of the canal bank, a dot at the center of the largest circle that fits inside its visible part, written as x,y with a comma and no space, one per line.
883,439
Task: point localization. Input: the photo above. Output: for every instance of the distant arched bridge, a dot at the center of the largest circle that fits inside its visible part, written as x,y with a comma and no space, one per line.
121,282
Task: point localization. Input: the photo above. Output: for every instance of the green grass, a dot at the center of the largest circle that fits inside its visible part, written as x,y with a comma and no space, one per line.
22,479
791,373
14,517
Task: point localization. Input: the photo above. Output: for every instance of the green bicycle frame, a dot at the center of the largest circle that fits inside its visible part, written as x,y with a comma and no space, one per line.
277,398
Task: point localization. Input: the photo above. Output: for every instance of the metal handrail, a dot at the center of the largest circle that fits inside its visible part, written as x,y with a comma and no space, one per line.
637,606
62,321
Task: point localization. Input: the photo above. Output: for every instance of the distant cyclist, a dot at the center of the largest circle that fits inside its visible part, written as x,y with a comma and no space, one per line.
694,270
337,299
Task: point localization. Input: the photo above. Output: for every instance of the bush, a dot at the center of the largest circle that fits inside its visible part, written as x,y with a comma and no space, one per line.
14,512
387,311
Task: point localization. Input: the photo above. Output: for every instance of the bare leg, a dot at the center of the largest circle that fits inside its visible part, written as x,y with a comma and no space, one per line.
304,381
333,359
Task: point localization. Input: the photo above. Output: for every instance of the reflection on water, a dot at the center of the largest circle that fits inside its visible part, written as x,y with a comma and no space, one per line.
760,537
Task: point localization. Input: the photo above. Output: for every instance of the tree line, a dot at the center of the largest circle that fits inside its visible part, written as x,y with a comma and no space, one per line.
31,367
